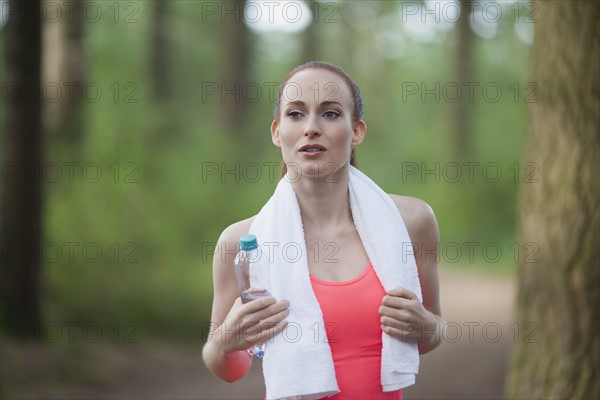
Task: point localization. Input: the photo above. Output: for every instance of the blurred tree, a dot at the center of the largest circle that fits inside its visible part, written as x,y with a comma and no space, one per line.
21,164
557,353
461,115
310,50
348,36
388,66
236,66
63,65
159,57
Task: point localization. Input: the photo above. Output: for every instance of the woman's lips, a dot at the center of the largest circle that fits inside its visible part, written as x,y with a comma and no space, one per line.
312,153
312,150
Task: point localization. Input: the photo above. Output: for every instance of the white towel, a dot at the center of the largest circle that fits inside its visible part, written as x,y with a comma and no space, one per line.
298,363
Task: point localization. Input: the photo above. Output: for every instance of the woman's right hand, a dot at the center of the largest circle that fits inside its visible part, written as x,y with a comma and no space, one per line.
251,323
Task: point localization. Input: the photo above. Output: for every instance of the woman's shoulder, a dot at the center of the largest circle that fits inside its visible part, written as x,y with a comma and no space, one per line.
418,217
229,239
233,232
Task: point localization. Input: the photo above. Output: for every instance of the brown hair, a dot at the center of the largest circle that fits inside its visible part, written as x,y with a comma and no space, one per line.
357,112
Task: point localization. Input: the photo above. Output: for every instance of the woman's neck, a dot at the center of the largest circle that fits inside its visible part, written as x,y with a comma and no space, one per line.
324,203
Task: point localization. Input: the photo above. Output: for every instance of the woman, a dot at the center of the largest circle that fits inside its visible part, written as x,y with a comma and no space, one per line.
317,124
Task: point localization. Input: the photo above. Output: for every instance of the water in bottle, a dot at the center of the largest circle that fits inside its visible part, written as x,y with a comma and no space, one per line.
248,272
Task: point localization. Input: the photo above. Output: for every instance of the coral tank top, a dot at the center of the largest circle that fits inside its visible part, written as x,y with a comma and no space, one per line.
353,328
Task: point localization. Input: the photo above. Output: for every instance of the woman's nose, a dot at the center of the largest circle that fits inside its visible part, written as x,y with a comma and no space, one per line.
312,129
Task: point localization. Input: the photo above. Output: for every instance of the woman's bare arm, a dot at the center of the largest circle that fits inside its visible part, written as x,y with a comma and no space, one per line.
236,326
227,366
423,230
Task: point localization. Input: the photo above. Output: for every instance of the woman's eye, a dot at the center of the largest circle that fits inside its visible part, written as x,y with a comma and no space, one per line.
331,114
294,114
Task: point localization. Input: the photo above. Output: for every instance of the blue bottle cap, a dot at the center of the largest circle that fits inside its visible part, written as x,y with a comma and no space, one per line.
248,242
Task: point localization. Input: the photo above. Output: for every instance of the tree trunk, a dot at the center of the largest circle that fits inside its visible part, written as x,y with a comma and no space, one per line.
236,65
158,63
63,66
461,115
309,38
22,157
558,351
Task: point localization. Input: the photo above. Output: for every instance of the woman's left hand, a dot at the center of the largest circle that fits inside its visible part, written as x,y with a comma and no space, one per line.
404,317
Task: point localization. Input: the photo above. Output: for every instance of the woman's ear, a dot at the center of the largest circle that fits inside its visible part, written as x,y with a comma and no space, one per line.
275,133
360,130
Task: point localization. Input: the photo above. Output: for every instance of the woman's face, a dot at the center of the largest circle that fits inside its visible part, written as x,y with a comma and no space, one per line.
315,130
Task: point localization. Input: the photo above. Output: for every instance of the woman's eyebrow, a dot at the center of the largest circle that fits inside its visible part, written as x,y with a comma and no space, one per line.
295,103
326,103
330,103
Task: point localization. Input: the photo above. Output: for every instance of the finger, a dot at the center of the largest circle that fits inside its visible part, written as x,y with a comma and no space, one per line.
264,313
402,292
271,310
260,332
268,322
238,302
282,305
259,304
397,316
396,302
274,319
267,303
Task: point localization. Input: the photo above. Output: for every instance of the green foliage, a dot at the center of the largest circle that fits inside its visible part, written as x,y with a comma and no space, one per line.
158,206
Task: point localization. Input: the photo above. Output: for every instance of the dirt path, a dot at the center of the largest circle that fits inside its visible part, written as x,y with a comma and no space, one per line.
471,363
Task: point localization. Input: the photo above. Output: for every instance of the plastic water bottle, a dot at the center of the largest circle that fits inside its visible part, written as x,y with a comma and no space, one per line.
247,272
